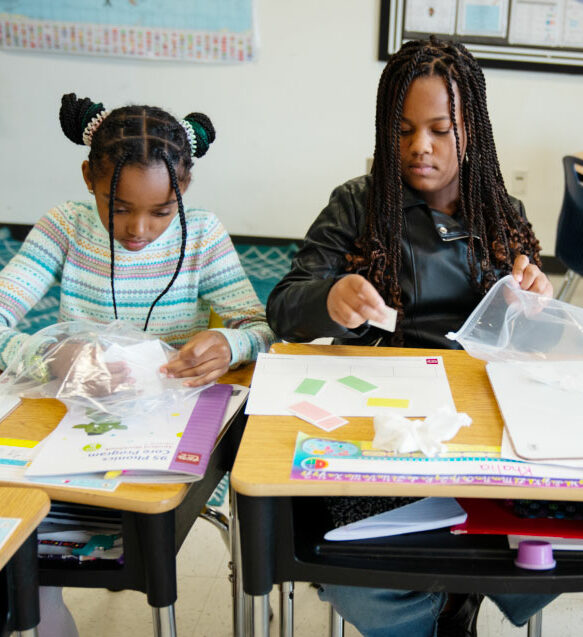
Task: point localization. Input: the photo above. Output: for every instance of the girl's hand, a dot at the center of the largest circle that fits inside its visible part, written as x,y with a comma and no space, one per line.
530,277
352,300
205,357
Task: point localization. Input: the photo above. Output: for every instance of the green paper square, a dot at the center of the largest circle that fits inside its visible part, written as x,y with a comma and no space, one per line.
310,386
359,384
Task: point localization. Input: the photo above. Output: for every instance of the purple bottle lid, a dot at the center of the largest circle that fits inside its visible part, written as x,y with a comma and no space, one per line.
535,555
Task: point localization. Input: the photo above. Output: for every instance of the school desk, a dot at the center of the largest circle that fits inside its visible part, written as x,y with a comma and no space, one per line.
18,561
282,525
155,517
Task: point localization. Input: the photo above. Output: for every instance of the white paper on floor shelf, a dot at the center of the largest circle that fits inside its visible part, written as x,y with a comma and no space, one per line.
423,515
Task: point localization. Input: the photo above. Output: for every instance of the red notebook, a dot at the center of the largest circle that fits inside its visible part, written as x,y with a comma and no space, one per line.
493,517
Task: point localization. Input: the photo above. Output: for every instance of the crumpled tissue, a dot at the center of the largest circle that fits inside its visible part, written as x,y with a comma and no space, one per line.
397,433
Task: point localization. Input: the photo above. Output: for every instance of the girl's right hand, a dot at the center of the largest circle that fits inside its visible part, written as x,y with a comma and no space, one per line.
352,300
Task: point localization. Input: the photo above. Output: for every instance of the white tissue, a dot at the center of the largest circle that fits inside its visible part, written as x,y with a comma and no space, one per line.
396,433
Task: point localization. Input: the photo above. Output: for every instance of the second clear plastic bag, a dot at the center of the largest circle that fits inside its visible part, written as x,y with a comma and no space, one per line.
512,324
112,368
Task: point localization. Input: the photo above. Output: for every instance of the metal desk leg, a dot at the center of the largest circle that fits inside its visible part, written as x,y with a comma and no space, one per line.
260,627
164,621
336,623
535,625
23,588
242,603
286,609
156,535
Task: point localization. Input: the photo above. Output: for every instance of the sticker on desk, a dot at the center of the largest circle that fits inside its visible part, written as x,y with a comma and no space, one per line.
358,384
78,482
329,460
15,457
317,416
7,527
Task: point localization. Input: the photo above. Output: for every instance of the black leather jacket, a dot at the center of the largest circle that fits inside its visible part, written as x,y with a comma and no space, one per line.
437,291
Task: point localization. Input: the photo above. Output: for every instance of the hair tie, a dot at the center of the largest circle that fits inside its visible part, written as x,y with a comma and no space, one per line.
94,123
189,130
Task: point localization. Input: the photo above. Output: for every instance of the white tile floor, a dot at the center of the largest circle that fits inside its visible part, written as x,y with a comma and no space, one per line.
204,597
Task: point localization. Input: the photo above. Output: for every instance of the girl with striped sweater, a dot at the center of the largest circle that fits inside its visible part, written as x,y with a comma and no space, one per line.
134,253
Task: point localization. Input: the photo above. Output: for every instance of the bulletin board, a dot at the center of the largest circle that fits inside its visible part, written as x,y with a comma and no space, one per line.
539,35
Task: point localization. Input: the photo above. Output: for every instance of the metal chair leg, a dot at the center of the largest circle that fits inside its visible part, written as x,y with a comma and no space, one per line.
286,609
336,623
535,625
242,603
219,521
568,286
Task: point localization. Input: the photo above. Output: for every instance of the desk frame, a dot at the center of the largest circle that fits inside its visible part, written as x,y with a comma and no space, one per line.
151,542
19,605
266,498
155,517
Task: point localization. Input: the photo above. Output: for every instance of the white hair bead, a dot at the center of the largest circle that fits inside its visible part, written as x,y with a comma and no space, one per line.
189,130
94,123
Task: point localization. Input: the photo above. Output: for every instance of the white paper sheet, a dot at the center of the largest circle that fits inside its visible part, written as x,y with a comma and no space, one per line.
412,386
7,528
423,515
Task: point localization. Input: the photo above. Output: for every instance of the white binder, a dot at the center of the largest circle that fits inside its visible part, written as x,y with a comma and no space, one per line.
542,411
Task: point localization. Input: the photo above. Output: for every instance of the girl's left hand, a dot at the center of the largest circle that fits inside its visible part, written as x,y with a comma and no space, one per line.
530,277
205,357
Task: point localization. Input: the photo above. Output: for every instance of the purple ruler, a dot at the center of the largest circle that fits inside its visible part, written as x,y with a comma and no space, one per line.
202,428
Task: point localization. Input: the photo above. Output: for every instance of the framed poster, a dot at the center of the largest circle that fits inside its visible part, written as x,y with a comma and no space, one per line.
536,35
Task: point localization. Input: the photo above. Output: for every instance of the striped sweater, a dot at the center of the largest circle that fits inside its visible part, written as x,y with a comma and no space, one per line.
70,246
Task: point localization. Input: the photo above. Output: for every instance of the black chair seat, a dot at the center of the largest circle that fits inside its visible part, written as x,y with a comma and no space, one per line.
569,243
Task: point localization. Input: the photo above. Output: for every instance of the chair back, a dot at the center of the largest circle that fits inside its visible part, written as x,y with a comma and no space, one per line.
569,243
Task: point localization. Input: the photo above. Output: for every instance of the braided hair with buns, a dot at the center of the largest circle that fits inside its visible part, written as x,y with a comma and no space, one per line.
484,204
137,135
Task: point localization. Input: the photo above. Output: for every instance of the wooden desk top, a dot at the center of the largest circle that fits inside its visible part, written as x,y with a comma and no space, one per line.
35,419
264,459
31,506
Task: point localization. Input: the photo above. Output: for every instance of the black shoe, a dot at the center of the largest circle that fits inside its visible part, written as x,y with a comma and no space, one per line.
462,619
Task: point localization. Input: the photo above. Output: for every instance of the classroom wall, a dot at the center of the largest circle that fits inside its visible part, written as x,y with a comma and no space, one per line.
290,126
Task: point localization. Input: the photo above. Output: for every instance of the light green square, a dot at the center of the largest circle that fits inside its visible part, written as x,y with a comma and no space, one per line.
310,386
363,386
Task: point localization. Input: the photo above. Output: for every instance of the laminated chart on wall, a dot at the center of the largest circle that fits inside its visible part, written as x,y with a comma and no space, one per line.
412,386
194,31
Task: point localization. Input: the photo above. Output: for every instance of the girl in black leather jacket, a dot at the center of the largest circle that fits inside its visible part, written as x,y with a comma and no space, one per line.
427,232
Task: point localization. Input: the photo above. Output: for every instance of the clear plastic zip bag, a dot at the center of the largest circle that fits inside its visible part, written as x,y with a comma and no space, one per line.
511,324
111,368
